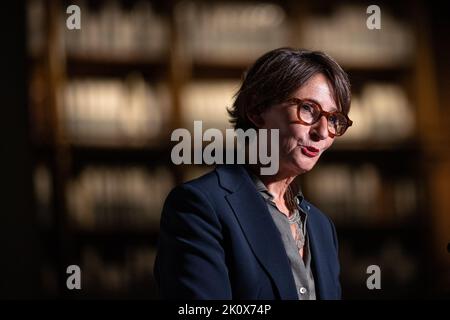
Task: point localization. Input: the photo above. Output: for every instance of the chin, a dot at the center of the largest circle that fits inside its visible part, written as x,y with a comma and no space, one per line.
300,167
305,169
304,163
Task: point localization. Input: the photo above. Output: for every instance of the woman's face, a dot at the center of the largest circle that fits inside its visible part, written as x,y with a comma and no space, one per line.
301,145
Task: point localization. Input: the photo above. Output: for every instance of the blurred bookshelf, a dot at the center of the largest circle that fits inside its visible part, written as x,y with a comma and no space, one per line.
105,99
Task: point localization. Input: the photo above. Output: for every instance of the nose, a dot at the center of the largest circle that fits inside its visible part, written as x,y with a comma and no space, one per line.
319,130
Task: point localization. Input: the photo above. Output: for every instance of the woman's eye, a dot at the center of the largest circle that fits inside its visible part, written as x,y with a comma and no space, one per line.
332,119
307,107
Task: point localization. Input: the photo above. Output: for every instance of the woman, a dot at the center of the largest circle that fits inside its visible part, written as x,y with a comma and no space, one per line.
236,234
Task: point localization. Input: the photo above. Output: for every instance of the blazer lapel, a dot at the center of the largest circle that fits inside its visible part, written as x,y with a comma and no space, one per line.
259,228
319,260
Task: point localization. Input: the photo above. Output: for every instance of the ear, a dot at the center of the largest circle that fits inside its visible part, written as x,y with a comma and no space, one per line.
256,119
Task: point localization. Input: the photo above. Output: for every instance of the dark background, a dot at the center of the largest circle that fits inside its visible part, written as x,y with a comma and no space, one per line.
67,196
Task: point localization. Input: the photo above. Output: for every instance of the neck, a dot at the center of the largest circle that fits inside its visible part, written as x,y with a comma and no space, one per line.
276,184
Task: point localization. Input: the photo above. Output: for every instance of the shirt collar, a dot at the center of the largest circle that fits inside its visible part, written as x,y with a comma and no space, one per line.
262,189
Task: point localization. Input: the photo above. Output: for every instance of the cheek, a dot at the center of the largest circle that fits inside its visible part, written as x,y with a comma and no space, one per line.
289,140
294,133
289,137
329,143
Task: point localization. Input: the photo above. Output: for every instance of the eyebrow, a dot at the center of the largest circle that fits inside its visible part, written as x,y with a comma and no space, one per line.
317,102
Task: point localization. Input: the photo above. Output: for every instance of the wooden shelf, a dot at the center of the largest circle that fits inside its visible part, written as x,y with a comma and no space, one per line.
131,151
359,76
115,237
218,70
107,66
119,156
379,69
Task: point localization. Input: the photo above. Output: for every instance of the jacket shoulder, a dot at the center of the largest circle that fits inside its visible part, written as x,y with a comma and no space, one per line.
208,179
205,186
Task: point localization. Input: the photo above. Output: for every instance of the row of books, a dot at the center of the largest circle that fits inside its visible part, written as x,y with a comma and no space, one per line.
398,266
381,112
227,32
208,101
112,109
360,194
345,36
114,31
118,198
130,275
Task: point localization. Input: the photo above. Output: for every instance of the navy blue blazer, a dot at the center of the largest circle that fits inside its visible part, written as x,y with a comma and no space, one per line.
218,241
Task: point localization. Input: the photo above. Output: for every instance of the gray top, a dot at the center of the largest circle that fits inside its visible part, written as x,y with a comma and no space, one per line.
301,268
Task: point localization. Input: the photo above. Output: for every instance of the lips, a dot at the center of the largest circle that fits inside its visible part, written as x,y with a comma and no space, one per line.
309,151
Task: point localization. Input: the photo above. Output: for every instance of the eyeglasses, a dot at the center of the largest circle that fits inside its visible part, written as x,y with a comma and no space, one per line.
309,112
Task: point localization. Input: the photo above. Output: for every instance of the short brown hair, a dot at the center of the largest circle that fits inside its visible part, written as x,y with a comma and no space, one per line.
276,75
